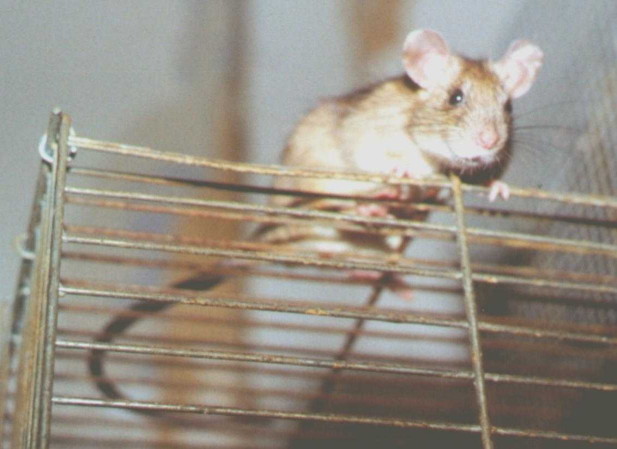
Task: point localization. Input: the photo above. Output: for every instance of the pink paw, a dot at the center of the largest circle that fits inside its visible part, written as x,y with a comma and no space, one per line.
390,193
372,210
364,275
403,192
402,172
498,188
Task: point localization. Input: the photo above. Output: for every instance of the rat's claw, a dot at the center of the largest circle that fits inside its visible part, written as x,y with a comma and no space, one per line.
498,188
404,191
402,172
390,193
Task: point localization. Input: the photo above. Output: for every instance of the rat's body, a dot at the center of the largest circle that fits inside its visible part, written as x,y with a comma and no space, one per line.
445,114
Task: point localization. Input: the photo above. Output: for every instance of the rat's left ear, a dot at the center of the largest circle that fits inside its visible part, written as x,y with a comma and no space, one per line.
518,68
427,59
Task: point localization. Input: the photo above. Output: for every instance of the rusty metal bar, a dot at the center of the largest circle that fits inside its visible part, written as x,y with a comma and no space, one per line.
248,303
375,382
427,207
309,362
5,361
311,308
391,368
536,333
582,354
275,170
28,245
531,243
302,259
245,322
70,440
230,411
219,426
332,217
472,315
448,399
275,371
222,342
405,227
374,399
35,382
240,216
238,187
239,167
548,435
329,418
13,329
490,273
347,264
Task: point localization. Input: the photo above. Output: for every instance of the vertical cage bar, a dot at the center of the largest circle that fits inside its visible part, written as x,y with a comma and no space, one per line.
5,338
14,315
24,280
471,312
31,423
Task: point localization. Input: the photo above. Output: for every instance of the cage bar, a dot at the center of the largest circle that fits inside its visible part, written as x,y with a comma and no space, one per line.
322,358
31,425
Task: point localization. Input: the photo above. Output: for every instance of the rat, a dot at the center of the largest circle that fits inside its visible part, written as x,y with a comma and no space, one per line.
444,114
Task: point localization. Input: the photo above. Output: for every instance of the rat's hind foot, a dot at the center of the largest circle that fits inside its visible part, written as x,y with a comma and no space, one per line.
372,210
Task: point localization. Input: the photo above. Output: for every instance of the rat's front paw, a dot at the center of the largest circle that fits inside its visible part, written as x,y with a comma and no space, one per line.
403,172
403,192
377,209
498,188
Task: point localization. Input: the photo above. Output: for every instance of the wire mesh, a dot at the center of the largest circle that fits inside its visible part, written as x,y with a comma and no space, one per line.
304,354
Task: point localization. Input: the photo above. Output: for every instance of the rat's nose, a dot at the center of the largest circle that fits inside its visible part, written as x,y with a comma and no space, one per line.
487,137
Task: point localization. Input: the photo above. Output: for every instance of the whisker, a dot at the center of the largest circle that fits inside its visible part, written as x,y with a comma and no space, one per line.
549,106
558,127
541,147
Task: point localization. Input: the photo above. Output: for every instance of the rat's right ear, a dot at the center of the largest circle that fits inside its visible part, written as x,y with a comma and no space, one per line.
427,58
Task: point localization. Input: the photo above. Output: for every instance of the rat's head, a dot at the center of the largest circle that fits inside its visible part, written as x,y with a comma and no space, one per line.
465,121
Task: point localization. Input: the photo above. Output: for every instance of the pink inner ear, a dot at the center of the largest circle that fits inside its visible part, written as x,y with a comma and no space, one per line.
515,79
519,67
425,58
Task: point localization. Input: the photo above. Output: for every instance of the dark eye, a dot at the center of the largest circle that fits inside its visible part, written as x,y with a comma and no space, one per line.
508,107
456,98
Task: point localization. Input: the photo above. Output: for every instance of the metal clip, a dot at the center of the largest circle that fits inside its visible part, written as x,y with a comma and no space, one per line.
46,152
20,246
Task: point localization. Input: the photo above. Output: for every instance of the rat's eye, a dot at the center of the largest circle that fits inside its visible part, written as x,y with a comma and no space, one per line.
456,98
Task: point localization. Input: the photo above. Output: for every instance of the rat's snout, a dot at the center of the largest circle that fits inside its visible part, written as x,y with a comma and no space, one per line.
487,137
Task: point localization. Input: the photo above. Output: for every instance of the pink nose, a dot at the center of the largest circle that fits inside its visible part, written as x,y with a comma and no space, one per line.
487,137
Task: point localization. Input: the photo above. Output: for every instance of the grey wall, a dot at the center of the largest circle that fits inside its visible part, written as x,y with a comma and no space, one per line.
145,72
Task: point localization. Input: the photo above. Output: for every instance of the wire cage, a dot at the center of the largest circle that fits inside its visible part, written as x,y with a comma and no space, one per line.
508,340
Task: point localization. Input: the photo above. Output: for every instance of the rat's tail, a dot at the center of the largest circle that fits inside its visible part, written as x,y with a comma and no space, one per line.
120,323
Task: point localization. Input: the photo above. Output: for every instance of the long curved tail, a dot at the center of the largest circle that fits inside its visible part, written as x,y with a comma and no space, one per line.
120,323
